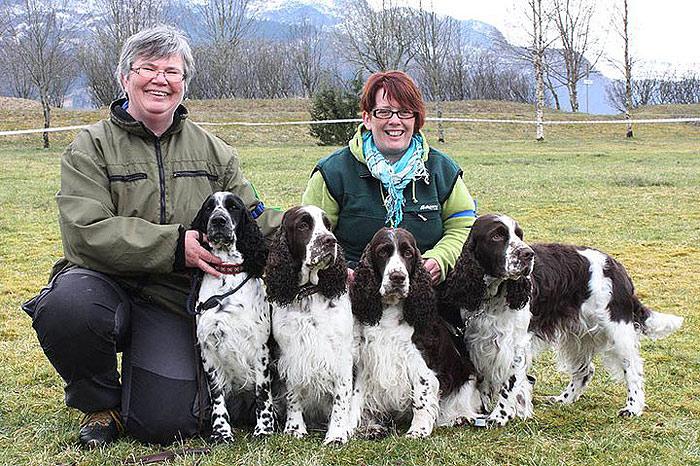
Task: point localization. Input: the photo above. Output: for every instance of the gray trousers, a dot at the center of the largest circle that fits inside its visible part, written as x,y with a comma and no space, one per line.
84,318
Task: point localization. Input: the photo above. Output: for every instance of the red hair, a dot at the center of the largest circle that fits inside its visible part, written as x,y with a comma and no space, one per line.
397,86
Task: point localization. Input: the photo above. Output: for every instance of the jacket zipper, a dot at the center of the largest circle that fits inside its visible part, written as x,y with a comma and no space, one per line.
161,176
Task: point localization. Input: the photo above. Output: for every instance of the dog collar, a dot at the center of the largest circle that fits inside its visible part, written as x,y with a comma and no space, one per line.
228,269
306,290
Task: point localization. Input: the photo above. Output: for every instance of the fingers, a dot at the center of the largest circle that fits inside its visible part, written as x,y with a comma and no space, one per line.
351,277
198,257
433,269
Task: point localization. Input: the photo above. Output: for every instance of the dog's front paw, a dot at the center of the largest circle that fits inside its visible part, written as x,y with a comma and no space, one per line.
464,421
338,439
221,436
263,431
295,430
420,432
629,412
372,432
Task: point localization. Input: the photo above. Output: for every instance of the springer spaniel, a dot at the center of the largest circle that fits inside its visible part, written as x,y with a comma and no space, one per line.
233,318
407,365
312,323
582,302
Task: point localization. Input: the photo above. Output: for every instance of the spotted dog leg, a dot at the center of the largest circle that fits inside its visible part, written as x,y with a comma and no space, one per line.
295,424
220,421
425,405
580,378
338,426
515,396
624,357
264,408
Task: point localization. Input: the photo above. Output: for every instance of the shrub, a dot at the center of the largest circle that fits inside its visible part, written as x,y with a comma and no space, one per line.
332,103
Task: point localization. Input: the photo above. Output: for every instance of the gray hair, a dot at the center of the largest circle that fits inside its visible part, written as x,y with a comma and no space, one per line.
157,42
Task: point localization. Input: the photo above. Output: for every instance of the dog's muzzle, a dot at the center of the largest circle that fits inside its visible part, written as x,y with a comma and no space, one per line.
323,251
220,230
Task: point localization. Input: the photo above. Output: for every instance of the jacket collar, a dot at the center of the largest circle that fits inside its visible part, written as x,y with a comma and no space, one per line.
120,117
355,145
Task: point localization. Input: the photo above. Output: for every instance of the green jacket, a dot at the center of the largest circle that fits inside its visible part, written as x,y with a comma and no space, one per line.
127,197
439,214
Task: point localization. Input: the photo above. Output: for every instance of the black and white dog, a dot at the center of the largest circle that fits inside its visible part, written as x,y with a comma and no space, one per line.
312,323
407,365
233,318
582,302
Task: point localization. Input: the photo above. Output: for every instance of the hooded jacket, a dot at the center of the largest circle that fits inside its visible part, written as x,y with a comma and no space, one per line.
127,197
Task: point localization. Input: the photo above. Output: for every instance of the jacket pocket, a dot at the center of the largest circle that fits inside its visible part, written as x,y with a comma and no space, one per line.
128,178
195,174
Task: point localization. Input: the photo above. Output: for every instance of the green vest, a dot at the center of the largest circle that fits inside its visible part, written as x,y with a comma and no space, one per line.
360,198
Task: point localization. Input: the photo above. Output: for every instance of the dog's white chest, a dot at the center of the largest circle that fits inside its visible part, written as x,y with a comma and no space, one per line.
388,360
315,336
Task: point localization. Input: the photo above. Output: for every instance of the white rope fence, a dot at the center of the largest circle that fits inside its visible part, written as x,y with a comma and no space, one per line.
357,120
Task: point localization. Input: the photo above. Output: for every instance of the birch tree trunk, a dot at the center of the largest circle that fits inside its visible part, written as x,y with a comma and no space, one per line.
628,71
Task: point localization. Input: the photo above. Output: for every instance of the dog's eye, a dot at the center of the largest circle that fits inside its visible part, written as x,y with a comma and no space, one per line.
383,252
498,237
408,252
303,226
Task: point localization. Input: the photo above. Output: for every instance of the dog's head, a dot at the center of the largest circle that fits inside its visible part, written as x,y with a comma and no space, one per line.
496,241
305,251
229,226
390,272
494,252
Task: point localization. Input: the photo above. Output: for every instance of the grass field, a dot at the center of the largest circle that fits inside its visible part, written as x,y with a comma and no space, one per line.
637,199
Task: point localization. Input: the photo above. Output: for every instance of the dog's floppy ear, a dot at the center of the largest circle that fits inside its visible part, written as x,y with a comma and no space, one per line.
201,219
364,291
518,292
251,244
332,281
464,287
281,272
419,307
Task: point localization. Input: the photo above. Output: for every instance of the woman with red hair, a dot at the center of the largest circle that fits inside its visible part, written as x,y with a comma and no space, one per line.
388,175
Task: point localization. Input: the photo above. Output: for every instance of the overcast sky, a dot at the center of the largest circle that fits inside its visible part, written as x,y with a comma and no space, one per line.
663,32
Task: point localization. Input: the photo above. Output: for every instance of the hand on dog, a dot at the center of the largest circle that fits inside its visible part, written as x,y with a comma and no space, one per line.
433,269
198,257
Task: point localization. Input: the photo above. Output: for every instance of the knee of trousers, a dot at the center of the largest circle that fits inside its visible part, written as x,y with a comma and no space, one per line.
82,308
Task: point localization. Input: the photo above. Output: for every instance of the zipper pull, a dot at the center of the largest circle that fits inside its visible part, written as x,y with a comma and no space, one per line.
422,217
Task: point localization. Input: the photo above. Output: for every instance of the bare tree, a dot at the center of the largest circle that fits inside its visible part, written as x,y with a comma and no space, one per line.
572,19
382,40
117,20
620,23
226,24
434,40
307,56
43,42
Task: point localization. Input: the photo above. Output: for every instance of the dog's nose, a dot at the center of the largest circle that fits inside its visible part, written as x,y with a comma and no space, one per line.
328,240
218,221
397,277
526,254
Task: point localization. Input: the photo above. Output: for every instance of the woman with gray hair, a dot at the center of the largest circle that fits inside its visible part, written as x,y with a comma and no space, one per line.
130,186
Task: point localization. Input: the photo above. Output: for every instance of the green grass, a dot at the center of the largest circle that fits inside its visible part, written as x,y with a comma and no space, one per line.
636,199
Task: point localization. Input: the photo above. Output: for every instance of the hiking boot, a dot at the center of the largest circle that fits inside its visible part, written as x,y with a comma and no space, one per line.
100,428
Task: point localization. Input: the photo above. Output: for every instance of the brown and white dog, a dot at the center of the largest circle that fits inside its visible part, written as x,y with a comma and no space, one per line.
581,300
407,366
312,323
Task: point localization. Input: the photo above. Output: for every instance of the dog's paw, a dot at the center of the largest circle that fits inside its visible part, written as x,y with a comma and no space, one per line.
295,431
221,436
372,432
560,399
463,421
628,412
261,431
420,432
340,439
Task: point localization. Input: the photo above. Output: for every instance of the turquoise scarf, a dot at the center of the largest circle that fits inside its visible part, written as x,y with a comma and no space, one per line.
395,177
